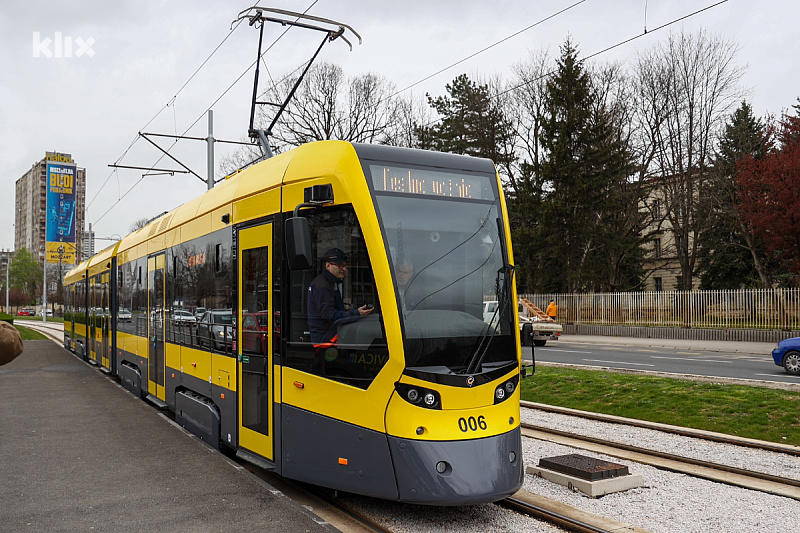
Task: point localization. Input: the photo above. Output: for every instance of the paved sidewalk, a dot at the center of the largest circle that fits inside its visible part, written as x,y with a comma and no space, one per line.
759,348
79,453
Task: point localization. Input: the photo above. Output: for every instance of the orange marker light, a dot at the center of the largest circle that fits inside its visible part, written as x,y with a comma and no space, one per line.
342,461
222,395
299,385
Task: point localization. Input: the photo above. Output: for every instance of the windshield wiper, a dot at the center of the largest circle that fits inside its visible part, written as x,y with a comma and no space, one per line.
486,340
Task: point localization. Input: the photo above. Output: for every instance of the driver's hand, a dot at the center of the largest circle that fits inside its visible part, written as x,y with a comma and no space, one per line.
364,310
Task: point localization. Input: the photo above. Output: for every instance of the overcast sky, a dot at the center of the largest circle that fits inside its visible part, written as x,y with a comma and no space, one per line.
131,57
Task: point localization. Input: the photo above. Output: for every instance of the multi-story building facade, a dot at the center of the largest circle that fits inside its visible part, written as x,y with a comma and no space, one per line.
87,248
662,266
31,209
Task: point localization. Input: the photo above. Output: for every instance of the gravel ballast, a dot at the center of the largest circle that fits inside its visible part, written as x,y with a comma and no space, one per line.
671,502
667,502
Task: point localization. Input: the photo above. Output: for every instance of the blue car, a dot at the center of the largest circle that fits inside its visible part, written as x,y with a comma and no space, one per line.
787,355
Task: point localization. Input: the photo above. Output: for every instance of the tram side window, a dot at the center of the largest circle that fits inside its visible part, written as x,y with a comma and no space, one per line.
124,296
138,295
200,278
80,302
358,351
68,303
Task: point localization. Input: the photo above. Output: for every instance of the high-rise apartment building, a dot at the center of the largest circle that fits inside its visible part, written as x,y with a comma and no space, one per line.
54,191
88,243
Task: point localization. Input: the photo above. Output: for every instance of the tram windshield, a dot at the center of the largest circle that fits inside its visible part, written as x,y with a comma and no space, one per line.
443,231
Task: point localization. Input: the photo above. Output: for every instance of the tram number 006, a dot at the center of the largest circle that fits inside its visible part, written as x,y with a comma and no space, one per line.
472,423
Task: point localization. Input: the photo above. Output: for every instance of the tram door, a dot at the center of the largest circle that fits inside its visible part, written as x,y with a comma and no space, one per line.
104,322
254,347
155,326
92,315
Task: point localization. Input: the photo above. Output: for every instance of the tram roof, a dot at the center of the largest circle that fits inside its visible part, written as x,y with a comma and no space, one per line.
76,273
258,178
99,261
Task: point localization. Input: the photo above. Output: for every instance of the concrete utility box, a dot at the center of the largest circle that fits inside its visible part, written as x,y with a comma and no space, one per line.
593,477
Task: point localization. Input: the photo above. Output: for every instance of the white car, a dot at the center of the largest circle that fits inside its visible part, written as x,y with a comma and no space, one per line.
179,315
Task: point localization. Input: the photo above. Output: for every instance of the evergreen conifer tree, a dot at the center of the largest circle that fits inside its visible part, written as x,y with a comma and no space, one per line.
590,241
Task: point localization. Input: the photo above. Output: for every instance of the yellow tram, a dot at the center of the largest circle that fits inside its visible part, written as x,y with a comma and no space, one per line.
206,311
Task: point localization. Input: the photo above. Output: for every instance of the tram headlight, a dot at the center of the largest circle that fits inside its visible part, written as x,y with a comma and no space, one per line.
506,389
419,396
413,395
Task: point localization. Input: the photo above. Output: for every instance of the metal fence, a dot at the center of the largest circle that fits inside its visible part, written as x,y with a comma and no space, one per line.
751,309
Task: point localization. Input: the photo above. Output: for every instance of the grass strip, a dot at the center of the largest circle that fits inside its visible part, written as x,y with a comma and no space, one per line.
743,410
56,319
28,334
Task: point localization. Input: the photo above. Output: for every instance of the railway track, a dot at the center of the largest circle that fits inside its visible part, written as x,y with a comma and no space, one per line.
563,515
666,428
338,511
319,501
760,481
51,330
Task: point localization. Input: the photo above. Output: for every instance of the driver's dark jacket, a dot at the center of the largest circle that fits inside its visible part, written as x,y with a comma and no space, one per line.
325,308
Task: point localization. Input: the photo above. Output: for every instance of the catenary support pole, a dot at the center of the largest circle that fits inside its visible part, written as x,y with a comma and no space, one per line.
210,140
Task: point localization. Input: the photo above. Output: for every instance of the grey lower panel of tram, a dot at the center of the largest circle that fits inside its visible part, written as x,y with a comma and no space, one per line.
316,447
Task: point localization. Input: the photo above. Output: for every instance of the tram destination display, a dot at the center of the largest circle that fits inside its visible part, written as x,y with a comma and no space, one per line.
428,182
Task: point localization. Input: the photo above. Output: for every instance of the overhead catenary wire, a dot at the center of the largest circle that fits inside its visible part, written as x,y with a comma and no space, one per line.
137,182
496,95
467,58
599,52
288,76
165,106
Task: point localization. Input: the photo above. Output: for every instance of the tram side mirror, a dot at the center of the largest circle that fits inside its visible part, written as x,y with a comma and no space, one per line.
527,371
298,243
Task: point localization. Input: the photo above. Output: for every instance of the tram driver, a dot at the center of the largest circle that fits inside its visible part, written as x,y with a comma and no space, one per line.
325,305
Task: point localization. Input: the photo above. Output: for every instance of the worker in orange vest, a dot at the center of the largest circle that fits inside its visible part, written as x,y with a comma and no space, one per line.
552,309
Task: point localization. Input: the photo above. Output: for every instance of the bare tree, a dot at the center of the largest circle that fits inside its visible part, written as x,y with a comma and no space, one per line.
411,113
328,106
240,157
138,224
686,87
525,111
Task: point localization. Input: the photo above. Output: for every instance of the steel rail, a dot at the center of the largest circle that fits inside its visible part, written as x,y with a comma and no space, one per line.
552,516
668,456
730,475
666,428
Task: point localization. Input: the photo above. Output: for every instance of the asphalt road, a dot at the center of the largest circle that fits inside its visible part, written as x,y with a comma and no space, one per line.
723,359
706,359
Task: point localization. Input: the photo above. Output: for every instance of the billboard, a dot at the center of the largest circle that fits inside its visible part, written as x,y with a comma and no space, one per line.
61,208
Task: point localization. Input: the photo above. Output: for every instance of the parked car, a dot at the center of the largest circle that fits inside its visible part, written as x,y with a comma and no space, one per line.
787,355
215,329
43,311
255,327
180,315
124,315
26,312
